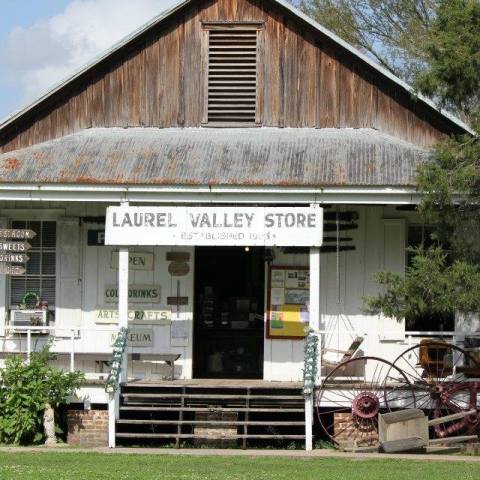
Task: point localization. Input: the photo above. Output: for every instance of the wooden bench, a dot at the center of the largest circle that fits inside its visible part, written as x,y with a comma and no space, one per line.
168,358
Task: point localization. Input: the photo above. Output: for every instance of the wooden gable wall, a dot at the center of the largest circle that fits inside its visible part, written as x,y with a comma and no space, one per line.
156,81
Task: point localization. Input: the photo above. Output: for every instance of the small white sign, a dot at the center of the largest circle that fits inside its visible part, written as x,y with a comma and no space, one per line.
136,260
277,296
136,294
138,316
179,334
242,226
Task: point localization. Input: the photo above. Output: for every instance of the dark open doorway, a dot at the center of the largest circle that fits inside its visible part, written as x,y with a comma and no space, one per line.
228,316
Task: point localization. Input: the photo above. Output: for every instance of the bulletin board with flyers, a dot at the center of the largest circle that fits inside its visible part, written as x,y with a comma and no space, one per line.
288,297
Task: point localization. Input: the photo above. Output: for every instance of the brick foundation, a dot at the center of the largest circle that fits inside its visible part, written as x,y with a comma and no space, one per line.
344,424
87,428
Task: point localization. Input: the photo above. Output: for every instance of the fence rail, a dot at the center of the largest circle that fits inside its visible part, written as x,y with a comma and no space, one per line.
340,340
65,341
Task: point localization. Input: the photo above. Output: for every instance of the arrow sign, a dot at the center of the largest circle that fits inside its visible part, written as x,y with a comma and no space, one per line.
11,269
14,246
17,234
13,257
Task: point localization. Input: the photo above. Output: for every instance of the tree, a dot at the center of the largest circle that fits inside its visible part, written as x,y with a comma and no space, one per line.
451,182
445,278
431,287
453,50
29,392
393,32
451,202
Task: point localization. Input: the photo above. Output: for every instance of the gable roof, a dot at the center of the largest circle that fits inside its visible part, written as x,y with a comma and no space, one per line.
282,3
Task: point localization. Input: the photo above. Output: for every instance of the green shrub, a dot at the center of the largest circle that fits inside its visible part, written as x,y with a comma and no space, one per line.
26,389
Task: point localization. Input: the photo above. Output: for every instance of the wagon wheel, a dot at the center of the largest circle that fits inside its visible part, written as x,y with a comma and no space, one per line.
437,372
353,394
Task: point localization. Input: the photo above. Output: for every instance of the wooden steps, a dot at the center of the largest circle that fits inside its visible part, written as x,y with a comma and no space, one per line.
212,409
174,435
232,414
204,422
206,396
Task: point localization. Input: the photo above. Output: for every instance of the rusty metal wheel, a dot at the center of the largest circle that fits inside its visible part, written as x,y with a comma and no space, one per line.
354,393
438,372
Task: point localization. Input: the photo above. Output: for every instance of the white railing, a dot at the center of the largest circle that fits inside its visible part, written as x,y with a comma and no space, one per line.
457,337
65,341
397,342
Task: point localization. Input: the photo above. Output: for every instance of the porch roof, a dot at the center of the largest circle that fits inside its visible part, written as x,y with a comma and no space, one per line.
209,156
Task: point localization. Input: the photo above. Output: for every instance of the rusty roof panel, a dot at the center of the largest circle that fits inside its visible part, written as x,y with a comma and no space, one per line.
207,156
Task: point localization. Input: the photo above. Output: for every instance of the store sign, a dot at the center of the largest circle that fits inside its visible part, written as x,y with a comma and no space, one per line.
247,226
6,269
14,257
137,337
95,238
14,252
161,316
177,301
136,294
136,260
178,269
17,234
178,266
140,337
14,246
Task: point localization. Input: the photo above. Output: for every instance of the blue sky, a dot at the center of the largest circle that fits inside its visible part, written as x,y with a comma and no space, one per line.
25,12
20,13
44,41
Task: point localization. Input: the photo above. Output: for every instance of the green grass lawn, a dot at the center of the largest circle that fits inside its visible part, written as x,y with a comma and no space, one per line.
89,466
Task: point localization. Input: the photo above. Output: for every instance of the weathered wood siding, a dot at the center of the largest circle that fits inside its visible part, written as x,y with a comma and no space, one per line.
304,81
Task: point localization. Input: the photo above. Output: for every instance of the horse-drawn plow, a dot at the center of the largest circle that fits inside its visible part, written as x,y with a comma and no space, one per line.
437,378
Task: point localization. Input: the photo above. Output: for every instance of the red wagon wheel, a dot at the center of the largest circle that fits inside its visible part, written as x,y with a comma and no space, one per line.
437,370
354,393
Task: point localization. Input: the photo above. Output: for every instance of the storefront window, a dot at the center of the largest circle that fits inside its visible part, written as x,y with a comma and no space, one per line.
40,272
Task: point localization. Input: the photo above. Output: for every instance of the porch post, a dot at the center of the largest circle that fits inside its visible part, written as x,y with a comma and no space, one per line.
113,410
123,301
315,325
315,288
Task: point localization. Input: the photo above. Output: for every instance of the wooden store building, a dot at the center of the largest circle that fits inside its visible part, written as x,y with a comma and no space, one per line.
224,177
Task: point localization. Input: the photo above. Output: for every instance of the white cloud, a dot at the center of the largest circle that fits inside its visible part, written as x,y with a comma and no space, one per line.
41,55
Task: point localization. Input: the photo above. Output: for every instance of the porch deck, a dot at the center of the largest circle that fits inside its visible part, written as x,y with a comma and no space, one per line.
217,383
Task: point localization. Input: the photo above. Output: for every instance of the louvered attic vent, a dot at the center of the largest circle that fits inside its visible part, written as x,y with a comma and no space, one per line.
232,76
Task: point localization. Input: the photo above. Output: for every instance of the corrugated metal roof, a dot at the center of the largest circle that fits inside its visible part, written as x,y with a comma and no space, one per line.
207,156
285,4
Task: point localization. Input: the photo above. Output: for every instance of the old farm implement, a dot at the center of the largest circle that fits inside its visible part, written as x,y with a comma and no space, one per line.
435,377
406,430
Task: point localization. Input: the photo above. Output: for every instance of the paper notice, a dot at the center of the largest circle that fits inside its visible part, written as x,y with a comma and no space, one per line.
277,296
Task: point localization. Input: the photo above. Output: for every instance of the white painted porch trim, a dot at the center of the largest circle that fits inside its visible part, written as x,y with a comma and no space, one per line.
114,397
123,303
210,194
113,415
315,313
